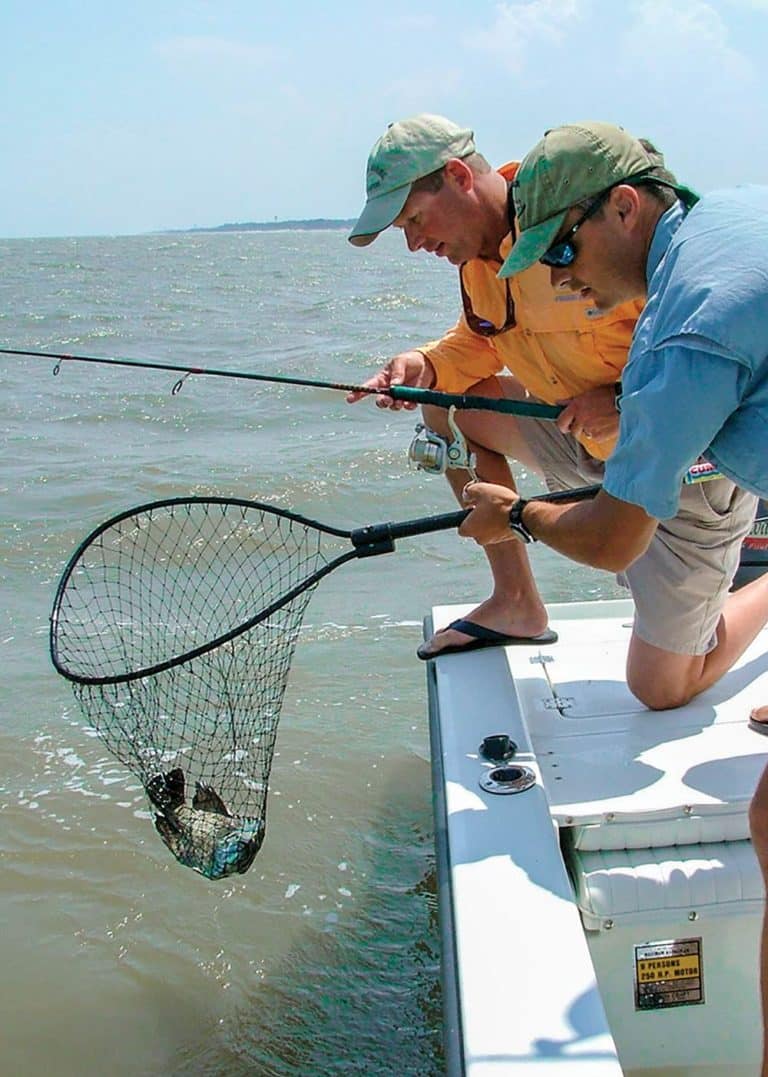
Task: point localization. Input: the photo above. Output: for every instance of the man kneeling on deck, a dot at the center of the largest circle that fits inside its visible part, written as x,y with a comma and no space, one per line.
696,382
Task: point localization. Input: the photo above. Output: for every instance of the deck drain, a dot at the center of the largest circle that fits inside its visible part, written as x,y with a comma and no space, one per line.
509,779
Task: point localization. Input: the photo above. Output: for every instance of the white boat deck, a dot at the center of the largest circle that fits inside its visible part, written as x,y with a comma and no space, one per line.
519,982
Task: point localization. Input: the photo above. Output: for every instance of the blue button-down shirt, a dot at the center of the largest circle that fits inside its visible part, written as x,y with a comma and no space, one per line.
696,382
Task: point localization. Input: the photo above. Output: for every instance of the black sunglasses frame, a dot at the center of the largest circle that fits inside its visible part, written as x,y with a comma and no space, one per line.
563,253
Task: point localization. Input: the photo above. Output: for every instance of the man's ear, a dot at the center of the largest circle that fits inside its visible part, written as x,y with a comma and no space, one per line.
459,173
626,201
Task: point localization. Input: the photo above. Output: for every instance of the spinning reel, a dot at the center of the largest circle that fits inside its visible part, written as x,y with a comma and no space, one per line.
434,453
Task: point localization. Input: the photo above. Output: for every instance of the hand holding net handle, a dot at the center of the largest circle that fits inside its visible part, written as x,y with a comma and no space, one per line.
381,538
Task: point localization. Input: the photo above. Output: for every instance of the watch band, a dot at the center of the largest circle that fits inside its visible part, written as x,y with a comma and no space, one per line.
516,522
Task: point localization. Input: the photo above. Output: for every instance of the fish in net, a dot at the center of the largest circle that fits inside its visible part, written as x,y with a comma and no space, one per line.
176,623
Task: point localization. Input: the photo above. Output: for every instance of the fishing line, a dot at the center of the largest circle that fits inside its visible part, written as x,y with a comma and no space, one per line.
403,393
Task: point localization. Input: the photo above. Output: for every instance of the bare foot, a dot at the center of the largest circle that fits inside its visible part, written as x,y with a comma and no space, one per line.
759,715
513,618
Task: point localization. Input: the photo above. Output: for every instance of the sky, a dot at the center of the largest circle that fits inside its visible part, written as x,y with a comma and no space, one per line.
164,114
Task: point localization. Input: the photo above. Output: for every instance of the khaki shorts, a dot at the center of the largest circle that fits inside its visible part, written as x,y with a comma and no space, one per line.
680,583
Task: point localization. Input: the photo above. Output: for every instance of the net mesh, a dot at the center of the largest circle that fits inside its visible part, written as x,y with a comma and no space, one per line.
153,623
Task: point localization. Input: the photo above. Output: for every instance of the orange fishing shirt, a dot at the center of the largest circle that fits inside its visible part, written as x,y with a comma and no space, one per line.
559,347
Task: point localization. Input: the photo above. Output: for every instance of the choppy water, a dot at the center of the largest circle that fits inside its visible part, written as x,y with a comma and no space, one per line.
324,958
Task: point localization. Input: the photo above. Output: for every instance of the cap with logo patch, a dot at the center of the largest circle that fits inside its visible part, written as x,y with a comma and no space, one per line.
569,164
406,152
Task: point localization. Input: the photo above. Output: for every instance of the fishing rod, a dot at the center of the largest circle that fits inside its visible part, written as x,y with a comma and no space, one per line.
403,393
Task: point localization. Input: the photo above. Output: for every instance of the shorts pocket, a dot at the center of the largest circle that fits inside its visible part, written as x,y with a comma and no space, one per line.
718,504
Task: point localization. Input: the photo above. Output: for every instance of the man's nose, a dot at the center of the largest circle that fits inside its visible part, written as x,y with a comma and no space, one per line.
414,239
559,275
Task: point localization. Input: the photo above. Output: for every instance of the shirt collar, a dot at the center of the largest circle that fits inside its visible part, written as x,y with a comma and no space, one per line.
666,227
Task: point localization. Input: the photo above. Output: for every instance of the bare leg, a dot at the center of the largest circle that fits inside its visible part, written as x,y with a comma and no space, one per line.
758,825
515,606
663,680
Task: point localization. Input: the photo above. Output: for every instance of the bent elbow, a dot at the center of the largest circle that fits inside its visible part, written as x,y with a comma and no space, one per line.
606,533
615,558
616,552
615,561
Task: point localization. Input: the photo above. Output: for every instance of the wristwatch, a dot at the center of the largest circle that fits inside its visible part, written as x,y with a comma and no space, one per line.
516,522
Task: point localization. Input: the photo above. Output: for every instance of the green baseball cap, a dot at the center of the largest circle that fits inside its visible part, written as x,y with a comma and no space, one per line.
406,152
569,164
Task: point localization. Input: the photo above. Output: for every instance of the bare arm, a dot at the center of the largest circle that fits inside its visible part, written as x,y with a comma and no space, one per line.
407,368
605,533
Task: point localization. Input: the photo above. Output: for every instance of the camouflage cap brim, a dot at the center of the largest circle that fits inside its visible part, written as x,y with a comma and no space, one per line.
531,244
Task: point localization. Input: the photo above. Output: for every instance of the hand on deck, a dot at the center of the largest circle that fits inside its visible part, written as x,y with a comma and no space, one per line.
593,414
408,368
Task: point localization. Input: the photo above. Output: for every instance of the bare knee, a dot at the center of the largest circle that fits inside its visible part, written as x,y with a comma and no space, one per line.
662,680
658,694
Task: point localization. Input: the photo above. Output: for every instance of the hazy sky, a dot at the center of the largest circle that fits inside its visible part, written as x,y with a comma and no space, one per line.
155,114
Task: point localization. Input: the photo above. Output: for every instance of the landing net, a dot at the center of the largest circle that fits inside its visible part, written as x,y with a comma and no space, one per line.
177,623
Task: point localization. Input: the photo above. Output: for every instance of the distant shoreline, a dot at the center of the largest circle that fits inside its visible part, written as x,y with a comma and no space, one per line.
314,225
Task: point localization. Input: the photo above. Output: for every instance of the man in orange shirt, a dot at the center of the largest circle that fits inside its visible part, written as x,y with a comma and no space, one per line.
425,177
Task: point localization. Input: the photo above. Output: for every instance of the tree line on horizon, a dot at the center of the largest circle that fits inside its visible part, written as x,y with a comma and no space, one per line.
314,223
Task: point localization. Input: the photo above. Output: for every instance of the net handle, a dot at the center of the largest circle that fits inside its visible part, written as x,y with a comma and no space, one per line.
366,542
380,538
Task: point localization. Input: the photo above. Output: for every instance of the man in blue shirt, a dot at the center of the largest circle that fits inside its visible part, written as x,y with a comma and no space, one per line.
696,383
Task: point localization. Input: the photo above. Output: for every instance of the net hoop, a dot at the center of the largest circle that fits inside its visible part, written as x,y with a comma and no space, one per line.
220,639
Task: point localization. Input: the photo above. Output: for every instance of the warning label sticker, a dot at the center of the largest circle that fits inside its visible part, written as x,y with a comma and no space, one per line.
668,973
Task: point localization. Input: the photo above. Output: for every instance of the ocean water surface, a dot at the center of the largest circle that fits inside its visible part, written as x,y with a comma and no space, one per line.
323,958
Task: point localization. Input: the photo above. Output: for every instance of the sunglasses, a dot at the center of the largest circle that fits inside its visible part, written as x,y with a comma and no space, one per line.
482,326
563,252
